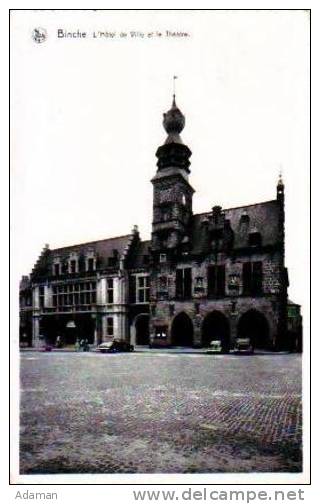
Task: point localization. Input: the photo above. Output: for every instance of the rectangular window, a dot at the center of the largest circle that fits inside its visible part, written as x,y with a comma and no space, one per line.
246,278
179,284
221,280
110,326
252,278
132,289
73,266
216,280
110,290
41,296
143,289
257,277
163,258
57,269
90,264
184,283
211,281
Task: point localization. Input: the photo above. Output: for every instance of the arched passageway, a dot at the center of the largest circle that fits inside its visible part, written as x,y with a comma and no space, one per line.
254,325
215,327
142,329
182,330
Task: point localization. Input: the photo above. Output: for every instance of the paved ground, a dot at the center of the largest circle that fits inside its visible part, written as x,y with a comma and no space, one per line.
160,412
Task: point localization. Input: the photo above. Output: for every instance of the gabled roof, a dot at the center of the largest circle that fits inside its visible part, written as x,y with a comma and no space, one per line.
261,217
104,250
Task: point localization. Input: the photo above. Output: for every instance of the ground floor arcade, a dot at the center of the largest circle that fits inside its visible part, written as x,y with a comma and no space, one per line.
185,324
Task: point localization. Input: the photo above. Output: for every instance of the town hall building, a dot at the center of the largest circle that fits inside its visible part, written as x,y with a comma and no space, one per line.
218,275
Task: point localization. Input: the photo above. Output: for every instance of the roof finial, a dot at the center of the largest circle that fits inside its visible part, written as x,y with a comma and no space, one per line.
174,90
280,176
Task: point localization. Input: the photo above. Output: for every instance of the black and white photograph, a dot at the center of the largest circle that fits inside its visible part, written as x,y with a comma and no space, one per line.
160,246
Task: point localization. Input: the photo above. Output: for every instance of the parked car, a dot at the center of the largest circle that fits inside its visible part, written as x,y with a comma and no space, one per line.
115,346
47,347
243,345
215,346
158,340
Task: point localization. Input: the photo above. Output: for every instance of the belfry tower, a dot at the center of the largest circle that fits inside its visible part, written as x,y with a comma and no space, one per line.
172,193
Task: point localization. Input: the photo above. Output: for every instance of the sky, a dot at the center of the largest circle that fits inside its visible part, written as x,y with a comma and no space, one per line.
87,120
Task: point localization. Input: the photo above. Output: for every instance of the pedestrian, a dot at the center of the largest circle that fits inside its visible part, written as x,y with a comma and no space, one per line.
77,345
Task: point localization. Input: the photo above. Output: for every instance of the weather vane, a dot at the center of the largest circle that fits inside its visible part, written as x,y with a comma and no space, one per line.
174,84
280,172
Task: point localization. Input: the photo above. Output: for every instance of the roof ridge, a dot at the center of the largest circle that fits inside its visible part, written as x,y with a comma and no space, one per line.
240,206
91,242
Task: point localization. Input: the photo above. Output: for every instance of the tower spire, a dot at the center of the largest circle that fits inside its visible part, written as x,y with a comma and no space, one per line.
174,91
280,178
173,153
173,120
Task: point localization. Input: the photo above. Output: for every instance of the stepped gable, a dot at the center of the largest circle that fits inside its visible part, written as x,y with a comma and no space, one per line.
140,256
105,250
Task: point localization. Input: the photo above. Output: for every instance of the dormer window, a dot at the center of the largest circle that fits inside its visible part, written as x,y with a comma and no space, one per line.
73,263
244,219
255,239
56,267
112,261
91,261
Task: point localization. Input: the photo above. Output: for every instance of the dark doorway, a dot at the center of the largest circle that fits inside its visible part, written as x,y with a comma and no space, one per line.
142,330
69,328
215,327
182,331
255,326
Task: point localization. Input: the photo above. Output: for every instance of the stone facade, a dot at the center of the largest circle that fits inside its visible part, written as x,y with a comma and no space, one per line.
202,277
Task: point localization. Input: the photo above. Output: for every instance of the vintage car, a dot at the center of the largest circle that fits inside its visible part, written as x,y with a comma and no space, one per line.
243,345
115,346
215,346
158,340
47,347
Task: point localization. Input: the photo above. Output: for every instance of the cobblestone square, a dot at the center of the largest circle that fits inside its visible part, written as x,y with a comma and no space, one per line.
160,412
